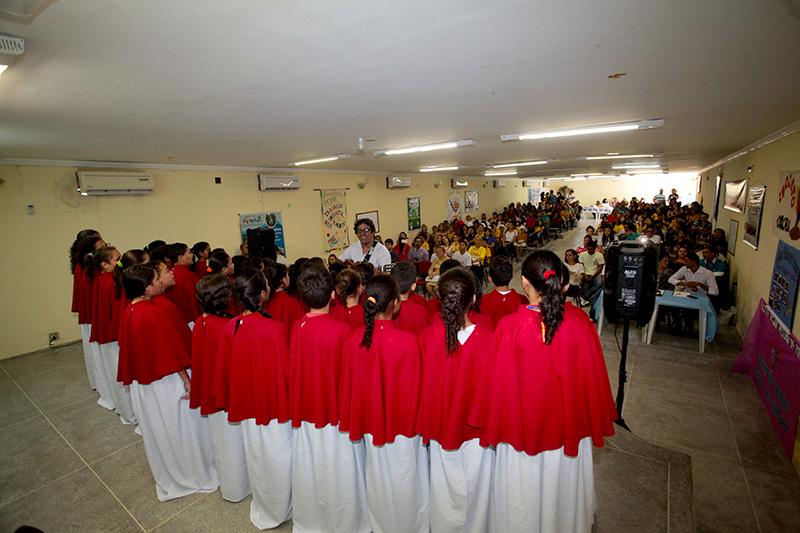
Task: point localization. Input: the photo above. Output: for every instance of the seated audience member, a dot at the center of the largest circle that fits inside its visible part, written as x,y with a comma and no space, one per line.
402,247
392,252
592,262
607,238
418,253
711,262
462,255
652,236
432,281
630,232
697,279
664,273
576,272
720,243
581,249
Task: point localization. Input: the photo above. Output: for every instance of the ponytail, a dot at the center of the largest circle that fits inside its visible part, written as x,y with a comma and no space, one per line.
75,257
217,262
247,287
104,254
87,253
544,271
347,283
381,290
456,290
129,258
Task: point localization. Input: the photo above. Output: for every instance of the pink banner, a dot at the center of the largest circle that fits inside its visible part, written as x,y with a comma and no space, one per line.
771,356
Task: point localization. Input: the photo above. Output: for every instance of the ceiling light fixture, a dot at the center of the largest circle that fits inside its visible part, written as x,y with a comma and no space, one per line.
501,173
623,167
616,156
436,169
319,160
524,163
588,130
646,172
10,49
425,147
585,174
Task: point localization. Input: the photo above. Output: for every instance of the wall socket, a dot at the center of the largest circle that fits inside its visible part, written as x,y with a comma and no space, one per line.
52,337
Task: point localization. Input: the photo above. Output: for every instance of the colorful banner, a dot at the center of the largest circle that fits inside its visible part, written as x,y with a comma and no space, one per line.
771,356
783,289
334,218
270,220
787,210
471,201
455,206
414,215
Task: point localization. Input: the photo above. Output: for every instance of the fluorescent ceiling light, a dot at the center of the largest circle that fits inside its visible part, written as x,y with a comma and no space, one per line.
646,172
522,164
319,160
501,173
3,68
587,174
623,167
617,156
588,130
436,169
425,147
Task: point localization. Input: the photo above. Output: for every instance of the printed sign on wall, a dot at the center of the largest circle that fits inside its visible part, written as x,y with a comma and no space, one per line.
471,201
783,289
270,220
334,218
414,215
787,211
455,206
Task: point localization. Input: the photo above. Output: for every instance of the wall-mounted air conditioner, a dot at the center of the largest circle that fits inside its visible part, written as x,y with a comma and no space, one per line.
96,182
397,182
270,182
460,184
499,184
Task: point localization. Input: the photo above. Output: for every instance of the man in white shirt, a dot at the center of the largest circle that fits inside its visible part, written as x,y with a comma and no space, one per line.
462,256
650,233
367,248
695,278
592,262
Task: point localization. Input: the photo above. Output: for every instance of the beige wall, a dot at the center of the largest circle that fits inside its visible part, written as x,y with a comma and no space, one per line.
590,191
752,269
186,206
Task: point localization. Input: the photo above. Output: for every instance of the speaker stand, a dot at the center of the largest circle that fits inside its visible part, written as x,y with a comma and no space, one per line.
623,376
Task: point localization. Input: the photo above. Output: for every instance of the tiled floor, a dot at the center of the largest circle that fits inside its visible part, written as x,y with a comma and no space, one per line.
701,456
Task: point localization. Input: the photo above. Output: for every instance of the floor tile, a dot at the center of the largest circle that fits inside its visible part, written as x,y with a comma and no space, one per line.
43,360
740,391
670,418
33,455
758,442
691,381
16,407
58,387
212,514
78,502
127,474
776,499
722,503
94,432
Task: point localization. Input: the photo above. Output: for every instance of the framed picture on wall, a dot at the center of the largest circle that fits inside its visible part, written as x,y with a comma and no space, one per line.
752,222
373,216
735,195
733,232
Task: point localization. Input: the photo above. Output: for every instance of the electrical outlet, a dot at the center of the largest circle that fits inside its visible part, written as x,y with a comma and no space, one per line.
52,337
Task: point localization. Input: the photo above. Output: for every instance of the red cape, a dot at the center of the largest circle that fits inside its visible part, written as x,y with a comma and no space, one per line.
413,318
252,375
106,312
433,306
183,293
315,361
150,347
537,397
419,300
352,316
85,300
76,288
498,305
206,336
449,385
284,309
381,386
474,317
201,269
176,318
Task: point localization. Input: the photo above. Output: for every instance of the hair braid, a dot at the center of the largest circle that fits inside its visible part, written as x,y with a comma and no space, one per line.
456,291
549,288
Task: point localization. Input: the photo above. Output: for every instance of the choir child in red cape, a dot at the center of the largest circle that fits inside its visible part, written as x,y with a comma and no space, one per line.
221,263
183,293
153,359
474,316
413,317
167,280
85,247
213,293
543,402
93,271
366,271
129,258
502,300
201,252
106,317
281,306
326,466
380,396
455,354
432,305
349,289
252,384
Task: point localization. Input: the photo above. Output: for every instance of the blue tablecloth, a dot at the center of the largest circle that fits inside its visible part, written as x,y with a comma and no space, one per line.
701,302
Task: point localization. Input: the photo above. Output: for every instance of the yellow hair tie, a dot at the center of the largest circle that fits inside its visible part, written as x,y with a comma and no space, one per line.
119,263
371,299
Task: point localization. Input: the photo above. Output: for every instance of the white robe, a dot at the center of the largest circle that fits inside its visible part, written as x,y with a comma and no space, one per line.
461,488
229,457
545,493
88,356
101,378
119,392
329,490
398,486
269,465
176,439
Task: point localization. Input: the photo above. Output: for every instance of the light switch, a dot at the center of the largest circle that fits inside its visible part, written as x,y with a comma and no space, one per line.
31,210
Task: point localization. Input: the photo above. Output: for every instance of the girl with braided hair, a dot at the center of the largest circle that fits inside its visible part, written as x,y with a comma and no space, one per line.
252,385
379,399
349,290
543,401
455,354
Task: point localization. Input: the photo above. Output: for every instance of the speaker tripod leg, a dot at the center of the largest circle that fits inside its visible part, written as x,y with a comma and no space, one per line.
623,376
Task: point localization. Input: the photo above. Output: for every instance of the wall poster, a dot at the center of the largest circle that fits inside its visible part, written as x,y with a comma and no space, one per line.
470,201
735,192
333,203
733,232
455,205
270,220
787,211
414,216
752,222
783,289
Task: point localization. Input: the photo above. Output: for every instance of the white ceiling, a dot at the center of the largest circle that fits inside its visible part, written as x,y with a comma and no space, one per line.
261,83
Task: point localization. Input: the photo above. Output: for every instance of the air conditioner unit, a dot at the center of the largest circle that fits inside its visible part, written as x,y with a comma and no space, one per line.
527,183
91,183
499,183
396,182
460,184
269,182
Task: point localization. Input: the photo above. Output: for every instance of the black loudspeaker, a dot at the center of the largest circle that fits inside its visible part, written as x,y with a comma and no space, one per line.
261,243
631,281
